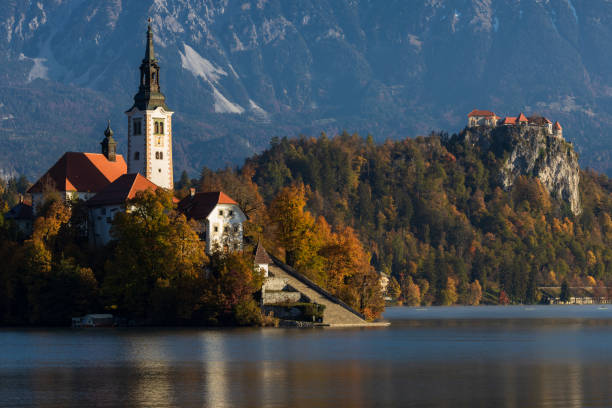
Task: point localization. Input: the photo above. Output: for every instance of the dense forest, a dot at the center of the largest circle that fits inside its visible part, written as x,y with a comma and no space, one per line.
429,212
433,215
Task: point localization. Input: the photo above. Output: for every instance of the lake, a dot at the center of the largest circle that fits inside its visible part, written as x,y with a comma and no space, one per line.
515,356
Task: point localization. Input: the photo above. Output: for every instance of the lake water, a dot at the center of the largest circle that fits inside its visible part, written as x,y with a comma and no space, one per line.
535,356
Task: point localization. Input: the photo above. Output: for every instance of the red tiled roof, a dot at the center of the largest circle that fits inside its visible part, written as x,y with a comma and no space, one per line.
477,112
200,205
509,121
521,118
557,126
85,172
538,120
121,190
261,255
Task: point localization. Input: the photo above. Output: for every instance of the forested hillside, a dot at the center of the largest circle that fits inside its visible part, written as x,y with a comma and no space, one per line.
433,214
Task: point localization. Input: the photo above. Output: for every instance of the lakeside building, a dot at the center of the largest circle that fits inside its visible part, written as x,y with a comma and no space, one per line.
107,180
487,118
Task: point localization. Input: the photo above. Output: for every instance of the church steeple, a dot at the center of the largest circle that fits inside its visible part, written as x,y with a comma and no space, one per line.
109,146
149,136
149,95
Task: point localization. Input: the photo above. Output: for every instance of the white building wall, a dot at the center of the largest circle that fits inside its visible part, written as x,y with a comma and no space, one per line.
224,228
136,143
100,222
156,169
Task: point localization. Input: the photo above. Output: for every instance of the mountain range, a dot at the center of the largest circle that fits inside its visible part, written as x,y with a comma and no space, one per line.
238,73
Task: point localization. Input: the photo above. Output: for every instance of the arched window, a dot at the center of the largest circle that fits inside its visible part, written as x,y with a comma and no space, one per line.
136,155
161,127
156,127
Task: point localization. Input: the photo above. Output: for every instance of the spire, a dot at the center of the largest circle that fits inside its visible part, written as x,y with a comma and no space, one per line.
109,146
150,52
149,94
109,132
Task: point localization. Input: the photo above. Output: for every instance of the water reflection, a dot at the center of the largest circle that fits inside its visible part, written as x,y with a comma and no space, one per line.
506,362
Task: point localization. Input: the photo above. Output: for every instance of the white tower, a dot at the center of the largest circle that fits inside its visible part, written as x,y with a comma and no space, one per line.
150,125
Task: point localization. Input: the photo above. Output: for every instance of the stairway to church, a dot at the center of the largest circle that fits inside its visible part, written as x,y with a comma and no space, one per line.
336,314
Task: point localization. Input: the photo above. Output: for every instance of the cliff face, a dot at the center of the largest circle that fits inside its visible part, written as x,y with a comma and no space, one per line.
532,151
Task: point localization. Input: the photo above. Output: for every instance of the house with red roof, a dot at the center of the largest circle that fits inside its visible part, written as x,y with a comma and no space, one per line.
81,175
220,219
110,201
479,117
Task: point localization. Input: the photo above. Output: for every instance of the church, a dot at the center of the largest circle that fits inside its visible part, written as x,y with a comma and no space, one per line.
107,180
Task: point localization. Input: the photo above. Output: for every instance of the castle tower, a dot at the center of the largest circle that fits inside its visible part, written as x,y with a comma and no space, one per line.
109,146
150,125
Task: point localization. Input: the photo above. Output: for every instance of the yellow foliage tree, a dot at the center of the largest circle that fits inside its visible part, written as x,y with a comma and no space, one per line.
449,293
475,293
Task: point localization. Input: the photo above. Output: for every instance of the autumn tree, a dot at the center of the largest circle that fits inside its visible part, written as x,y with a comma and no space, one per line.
449,294
475,293
411,293
155,249
393,288
293,225
229,295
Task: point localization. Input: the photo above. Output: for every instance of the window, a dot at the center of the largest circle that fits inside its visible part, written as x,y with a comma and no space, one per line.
159,140
235,228
159,126
137,124
136,155
159,170
231,213
226,229
216,229
159,155
221,213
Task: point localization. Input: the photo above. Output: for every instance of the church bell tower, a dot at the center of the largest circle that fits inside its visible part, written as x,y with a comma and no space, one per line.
150,125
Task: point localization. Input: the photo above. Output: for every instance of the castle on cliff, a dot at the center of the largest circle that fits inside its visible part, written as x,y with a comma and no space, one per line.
490,119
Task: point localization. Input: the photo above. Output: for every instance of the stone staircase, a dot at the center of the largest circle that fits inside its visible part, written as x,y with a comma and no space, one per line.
336,313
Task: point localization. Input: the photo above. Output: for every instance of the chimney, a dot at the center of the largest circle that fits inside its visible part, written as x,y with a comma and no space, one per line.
192,191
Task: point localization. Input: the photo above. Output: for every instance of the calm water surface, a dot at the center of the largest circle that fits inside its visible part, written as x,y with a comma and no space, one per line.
538,356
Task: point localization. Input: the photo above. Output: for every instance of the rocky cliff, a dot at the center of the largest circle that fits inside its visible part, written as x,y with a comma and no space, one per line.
532,151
